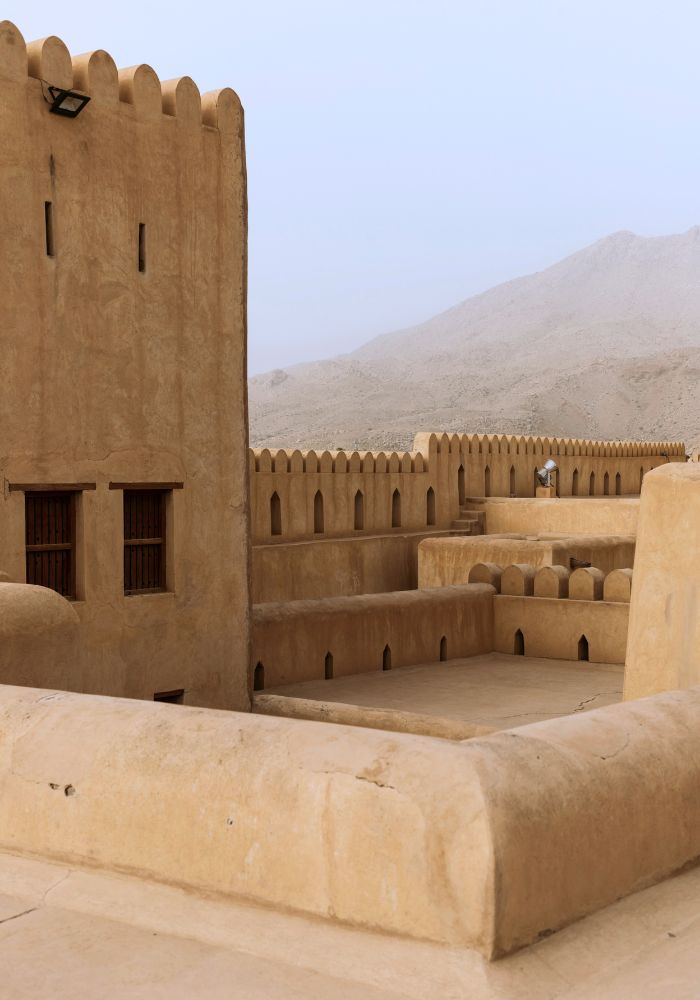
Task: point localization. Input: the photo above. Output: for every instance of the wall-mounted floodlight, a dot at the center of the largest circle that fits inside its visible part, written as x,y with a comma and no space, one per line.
68,103
545,473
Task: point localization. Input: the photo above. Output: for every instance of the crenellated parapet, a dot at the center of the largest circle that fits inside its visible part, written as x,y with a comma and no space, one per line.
434,485
510,444
48,61
585,583
280,460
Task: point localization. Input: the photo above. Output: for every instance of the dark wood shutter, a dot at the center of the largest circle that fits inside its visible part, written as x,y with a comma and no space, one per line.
144,541
50,540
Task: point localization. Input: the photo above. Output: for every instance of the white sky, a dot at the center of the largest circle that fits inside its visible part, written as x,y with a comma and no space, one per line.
405,155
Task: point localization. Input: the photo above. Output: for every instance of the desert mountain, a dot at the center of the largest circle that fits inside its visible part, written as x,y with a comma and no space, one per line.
603,344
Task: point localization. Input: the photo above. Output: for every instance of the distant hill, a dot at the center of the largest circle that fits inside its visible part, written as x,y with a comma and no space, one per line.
603,344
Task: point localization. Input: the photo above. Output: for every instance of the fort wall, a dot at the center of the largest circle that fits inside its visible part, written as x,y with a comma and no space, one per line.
123,256
554,628
446,561
565,516
427,838
309,640
287,485
663,650
335,567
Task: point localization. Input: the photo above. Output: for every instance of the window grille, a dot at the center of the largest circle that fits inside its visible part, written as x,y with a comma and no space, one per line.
50,540
144,541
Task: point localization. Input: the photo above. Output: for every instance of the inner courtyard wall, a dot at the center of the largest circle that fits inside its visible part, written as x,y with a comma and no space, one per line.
307,640
443,562
335,567
117,375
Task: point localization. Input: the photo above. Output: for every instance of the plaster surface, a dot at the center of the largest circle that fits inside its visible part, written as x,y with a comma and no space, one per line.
664,634
493,690
121,371
446,561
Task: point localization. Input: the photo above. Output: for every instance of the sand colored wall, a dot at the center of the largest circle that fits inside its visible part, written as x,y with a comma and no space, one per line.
512,462
663,650
552,627
446,561
401,833
595,516
295,477
292,640
112,375
335,567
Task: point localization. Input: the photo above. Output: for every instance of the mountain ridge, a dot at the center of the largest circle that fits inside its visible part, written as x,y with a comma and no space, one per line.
601,344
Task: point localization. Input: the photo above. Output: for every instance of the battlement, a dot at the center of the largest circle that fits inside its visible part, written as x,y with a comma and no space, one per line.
264,460
135,89
509,444
298,495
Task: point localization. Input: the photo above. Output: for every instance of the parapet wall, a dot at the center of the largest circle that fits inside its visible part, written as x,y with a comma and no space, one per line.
446,561
488,844
335,567
297,495
309,640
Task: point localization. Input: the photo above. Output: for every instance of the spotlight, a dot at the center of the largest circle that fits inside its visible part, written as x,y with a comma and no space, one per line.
545,473
68,103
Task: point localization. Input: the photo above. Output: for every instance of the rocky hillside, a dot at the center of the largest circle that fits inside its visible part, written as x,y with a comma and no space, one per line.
603,344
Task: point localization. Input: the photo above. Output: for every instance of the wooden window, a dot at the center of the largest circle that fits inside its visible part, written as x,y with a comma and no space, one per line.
50,540
144,541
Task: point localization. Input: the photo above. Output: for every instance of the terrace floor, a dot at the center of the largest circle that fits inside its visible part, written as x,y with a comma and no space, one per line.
93,935
457,698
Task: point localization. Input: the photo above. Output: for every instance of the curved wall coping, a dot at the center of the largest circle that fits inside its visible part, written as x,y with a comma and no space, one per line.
488,844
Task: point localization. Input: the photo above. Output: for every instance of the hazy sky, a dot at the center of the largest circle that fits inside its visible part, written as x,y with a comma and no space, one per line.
403,156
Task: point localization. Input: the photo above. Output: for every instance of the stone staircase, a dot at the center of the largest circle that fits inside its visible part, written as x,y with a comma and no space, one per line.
469,522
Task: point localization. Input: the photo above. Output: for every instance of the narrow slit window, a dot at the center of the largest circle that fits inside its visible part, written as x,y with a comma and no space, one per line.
318,513
328,667
275,515
176,697
48,227
144,541
259,677
443,649
359,511
396,509
519,644
142,247
386,658
430,506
